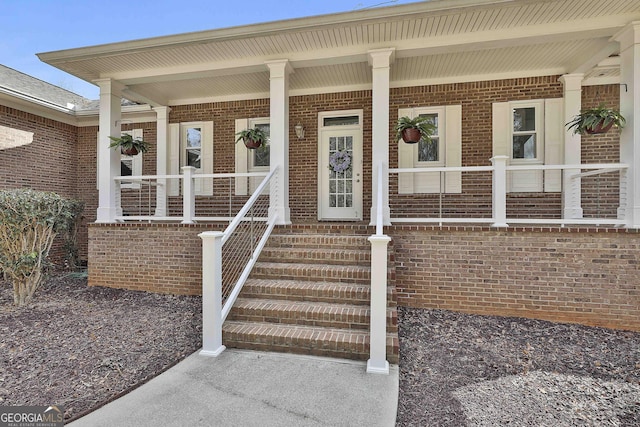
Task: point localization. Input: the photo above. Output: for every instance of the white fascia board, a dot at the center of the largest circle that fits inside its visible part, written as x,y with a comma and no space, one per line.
37,107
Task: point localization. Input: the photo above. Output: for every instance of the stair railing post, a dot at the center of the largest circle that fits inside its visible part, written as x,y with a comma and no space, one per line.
211,293
377,362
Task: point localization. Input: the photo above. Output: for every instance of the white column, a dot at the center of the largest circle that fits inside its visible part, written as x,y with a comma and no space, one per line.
109,125
629,39
377,363
380,61
211,293
499,202
279,128
571,188
162,161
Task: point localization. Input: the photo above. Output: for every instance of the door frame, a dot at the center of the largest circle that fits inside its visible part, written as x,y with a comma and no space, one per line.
358,187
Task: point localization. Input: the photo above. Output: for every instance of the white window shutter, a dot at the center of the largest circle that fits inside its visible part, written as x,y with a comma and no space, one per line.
405,159
173,185
204,187
453,147
553,142
242,159
501,129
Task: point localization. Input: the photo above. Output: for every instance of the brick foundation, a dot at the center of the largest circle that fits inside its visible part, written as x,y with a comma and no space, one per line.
583,275
164,258
588,276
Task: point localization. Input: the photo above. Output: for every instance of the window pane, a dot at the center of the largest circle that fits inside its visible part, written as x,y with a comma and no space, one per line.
126,167
193,157
524,119
433,118
261,155
524,146
428,151
194,137
341,121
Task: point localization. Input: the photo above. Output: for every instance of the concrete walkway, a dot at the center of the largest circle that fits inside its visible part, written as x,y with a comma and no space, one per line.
247,388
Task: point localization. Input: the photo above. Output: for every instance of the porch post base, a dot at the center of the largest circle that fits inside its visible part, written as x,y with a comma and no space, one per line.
283,215
572,213
213,353
375,367
106,215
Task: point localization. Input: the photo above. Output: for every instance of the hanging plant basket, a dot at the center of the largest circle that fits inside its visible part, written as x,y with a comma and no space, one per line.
128,145
600,127
411,136
596,120
413,130
252,144
252,138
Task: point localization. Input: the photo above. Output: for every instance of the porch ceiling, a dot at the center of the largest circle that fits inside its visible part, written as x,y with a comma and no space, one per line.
435,41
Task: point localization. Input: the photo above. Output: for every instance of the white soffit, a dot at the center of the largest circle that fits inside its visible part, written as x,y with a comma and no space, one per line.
432,39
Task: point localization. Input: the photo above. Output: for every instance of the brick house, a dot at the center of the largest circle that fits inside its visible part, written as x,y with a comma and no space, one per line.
492,216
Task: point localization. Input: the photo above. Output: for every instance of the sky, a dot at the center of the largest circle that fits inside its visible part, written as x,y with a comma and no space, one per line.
29,27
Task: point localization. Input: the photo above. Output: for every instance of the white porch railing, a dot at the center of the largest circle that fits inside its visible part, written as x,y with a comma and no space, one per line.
494,199
377,362
227,260
149,202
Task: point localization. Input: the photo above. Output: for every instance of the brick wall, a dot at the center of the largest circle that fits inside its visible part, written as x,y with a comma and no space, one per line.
47,164
165,258
588,276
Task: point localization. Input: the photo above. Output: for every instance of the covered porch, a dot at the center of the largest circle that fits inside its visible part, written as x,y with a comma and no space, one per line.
343,80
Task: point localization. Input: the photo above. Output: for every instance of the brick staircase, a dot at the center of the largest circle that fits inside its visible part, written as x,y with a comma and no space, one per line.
309,293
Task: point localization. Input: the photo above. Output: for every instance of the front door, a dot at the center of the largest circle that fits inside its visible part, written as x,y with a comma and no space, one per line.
340,174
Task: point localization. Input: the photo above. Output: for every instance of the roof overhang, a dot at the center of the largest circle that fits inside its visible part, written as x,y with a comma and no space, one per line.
438,41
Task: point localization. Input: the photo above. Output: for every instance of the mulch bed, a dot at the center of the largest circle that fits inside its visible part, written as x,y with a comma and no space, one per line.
82,347
442,353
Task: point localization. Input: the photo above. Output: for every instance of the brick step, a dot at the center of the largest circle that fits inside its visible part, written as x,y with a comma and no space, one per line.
312,272
295,290
325,228
342,316
311,241
317,255
328,342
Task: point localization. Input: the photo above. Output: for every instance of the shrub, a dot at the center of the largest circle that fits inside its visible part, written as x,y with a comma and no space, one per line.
29,222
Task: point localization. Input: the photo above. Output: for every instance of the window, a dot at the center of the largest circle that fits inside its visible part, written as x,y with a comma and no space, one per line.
444,149
191,144
530,133
131,165
257,160
430,153
525,134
